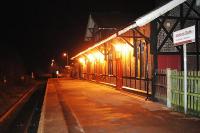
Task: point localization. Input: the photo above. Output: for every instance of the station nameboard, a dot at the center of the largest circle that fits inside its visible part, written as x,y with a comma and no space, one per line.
184,36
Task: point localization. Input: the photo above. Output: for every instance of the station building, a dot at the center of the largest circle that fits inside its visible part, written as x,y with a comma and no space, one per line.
133,57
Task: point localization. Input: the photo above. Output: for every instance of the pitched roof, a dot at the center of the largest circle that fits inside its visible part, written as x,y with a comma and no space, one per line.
141,21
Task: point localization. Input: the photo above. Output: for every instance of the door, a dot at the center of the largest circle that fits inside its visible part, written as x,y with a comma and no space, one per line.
119,74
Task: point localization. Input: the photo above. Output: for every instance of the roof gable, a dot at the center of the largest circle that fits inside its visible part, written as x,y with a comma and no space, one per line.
107,20
89,30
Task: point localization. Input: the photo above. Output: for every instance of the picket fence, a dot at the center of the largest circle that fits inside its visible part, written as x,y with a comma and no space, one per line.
193,92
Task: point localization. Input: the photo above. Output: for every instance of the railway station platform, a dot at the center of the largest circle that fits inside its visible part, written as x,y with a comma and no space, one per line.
78,106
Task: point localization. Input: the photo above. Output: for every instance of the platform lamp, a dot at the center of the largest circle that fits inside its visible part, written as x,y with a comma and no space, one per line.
65,54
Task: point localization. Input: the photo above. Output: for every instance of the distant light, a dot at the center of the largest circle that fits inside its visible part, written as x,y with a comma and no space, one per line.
57,72
64,54
52,62
67,66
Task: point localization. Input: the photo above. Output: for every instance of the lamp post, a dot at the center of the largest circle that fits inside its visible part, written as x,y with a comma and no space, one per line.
65,54
67,67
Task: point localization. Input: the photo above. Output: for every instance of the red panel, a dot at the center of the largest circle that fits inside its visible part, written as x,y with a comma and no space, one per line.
169,61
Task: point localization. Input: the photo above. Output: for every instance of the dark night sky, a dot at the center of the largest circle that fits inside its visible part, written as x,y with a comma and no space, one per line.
41,30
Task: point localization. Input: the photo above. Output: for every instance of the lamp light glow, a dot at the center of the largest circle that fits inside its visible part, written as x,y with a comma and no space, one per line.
82,60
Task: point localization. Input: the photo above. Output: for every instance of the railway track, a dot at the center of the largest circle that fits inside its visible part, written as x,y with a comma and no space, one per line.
25,115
